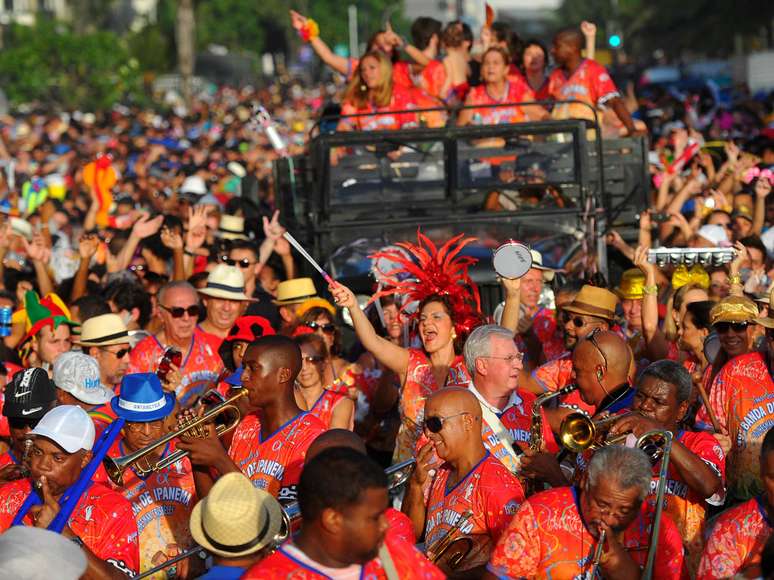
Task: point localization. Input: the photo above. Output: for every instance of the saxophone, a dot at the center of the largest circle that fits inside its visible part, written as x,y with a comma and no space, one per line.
536,425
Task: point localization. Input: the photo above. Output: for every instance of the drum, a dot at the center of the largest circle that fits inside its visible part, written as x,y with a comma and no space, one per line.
512,260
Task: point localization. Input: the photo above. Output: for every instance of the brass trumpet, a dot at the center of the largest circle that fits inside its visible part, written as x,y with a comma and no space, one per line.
138,460
579,432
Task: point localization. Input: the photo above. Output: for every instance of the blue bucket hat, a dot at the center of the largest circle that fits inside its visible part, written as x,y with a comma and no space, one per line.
235,379
142,399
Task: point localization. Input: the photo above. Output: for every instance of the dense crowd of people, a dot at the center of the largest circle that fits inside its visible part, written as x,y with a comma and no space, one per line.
181,402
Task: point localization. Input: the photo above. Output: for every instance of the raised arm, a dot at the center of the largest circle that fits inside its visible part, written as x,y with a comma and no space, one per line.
589,30
392,356
308,30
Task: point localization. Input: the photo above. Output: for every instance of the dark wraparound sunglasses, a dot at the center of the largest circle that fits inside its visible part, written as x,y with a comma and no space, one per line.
119,353
179,311
724,327
435,424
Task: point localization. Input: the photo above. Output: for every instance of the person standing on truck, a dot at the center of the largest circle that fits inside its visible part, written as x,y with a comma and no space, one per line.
581,79
371,93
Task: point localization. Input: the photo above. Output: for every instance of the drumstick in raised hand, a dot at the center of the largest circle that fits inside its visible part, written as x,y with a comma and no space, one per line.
293,242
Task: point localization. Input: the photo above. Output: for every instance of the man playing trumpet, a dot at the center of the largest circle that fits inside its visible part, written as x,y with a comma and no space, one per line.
102,522
162,500
472,495
556,533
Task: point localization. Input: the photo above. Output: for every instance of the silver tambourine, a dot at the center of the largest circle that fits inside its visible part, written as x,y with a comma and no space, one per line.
512,260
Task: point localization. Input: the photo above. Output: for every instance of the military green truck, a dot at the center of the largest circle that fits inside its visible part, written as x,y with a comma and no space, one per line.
550,184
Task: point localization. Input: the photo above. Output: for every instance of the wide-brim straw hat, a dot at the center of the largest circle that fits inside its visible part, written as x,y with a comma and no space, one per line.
537,264
103,330
225,282
235,519
594,301
295,291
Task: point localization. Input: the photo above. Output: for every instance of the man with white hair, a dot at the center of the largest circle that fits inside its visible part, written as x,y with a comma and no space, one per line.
558,530
494,362
102,523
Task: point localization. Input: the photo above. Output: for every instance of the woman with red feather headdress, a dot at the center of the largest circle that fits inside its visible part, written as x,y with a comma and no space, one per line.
449,308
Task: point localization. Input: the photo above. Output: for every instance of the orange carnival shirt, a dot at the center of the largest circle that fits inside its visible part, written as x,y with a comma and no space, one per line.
430,80
161,504
590,84
516,91
685,506
290,562
736,541
490,493
324,406
199,371
547,538
102,519
274,464
742,399
420,384
395,115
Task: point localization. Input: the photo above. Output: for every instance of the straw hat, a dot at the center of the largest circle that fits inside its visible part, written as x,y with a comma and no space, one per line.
231,227
631,285
226,282
235,519
295,291
103,330
768,321
594,301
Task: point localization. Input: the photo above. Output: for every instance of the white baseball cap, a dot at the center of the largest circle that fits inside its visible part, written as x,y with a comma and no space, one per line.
68,426
78,374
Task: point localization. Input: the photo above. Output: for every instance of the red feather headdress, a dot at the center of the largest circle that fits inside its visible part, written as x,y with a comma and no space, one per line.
428,270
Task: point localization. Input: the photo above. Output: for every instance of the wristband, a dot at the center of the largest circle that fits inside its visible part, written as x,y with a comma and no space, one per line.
735,279
651,290
309,31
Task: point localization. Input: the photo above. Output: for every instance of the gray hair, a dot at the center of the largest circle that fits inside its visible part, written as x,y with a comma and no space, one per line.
479,344
627,466
175,284
673,373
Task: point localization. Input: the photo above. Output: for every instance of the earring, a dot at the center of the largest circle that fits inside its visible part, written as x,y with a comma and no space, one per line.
363,88
454,334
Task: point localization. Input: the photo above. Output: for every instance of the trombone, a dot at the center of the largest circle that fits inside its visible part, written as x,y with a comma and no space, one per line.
196,427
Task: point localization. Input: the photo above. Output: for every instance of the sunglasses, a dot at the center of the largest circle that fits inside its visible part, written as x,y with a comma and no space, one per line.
22,423
119,353
179,311
435,424
243,263
328,328
724,327
313,359
577,321
137,268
